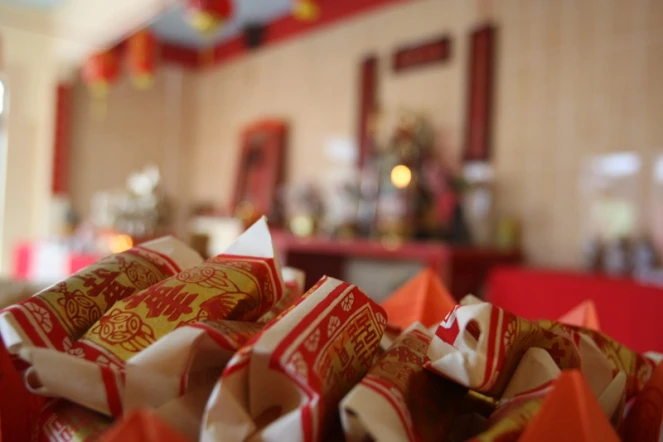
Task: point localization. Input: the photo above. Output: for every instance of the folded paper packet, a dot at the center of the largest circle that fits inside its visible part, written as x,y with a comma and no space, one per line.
399,400
59,315
513,415
241,284
479,346
535,375
287,382
62,420
186,359
644,421
637,368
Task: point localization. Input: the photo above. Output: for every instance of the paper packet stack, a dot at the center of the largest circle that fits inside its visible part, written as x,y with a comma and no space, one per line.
233,349
399,400
57,316
522,364
241,284
287,382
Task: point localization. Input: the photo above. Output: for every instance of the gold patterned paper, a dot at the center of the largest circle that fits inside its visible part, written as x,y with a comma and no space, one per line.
231,288
511,419
638,369
59,315
522,335
63,421
480,346
424,404
290,378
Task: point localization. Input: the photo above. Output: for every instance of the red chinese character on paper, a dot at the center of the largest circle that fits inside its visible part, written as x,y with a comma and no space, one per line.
103,281
164,301
57,431
364,338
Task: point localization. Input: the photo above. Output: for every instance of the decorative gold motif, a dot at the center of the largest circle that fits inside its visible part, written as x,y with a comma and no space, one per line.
219,289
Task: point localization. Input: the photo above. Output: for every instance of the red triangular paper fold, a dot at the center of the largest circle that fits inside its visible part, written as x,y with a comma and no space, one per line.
644,420
583,315
571,413
423,298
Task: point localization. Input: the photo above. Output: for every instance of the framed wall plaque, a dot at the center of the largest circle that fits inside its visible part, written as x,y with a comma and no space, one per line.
60,178
437,50
478,131
260,168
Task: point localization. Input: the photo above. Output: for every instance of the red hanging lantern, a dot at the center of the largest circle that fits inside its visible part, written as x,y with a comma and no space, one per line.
207,16
100,71
306,10
141,58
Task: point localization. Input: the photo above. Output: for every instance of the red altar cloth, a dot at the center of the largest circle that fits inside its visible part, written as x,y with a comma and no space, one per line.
627,311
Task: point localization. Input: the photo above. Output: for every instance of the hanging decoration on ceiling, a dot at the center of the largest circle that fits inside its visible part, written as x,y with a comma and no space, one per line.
141,52
100,70
208,16
306,10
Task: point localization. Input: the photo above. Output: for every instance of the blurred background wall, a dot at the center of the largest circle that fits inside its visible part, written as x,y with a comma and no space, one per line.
574,79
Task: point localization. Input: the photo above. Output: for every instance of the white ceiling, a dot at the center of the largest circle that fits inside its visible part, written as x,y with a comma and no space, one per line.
80,27
167,19
171,25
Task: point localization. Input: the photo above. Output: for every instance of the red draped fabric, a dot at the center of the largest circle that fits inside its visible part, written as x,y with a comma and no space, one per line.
630,312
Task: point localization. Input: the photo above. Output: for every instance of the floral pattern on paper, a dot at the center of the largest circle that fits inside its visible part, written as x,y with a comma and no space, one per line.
313,341
347,302
105,362
298,366
334,324
70,349
41,315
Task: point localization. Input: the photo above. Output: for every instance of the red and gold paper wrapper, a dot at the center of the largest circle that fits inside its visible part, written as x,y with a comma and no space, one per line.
513,415
644,421
563,409
636,367
399,400
242,284
286,383
189,358
479,346
59,315
63,421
